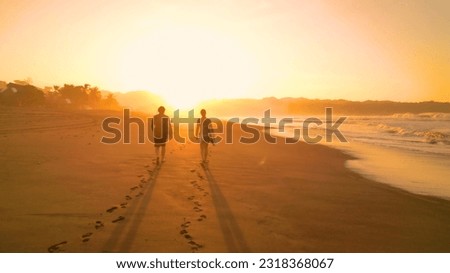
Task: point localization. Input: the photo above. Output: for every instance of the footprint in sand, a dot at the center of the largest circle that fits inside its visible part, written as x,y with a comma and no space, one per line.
123,205
192,170
200,176
197,209
86,237
120,218
186,224
191,197
183,231
139,194
110,210
197,204
56,247
140,176
134,188
127,197
194,245
99,224
201,218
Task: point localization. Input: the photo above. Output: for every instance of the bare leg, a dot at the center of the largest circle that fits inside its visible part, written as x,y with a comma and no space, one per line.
163,152
157,150
201,150
204,150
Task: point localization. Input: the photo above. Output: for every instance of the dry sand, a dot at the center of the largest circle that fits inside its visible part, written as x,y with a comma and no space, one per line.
61,190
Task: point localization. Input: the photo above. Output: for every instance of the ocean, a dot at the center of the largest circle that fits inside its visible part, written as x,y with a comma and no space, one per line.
407,151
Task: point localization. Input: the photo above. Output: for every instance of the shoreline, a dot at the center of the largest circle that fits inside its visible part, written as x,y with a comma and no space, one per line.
418,173
64,189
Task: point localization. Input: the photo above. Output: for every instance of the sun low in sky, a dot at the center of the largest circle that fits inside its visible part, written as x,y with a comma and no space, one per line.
189,51
186,64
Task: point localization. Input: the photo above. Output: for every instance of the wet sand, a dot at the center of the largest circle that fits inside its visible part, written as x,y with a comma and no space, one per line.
64,191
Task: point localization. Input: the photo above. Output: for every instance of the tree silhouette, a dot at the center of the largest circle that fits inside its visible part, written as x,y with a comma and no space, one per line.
110,102
22,95
74,95
94,96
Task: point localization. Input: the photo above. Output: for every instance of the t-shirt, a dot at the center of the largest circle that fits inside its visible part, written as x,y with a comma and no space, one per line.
161,126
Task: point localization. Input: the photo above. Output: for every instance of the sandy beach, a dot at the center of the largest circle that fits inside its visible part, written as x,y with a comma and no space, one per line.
62,190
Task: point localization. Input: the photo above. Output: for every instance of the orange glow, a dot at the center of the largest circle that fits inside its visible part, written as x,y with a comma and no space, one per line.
188,52
187,65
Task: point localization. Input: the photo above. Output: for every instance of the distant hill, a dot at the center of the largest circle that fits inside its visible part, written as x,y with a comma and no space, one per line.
302,106
366,107
20,93
3,85
141,101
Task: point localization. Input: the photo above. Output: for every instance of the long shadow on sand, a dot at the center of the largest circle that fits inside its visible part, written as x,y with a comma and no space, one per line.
124,234
232,233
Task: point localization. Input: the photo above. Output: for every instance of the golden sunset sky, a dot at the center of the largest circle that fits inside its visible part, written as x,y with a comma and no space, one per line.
187,51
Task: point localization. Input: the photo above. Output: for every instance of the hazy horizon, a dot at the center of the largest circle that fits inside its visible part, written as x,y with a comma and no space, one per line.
72,96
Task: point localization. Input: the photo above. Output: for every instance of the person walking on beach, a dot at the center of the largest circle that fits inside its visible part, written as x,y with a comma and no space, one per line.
162,133
203,133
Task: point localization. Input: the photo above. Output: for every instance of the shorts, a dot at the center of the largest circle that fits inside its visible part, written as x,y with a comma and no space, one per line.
207,139
160,141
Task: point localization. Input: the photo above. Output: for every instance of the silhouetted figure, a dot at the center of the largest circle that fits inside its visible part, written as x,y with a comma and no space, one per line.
203,132
162,132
